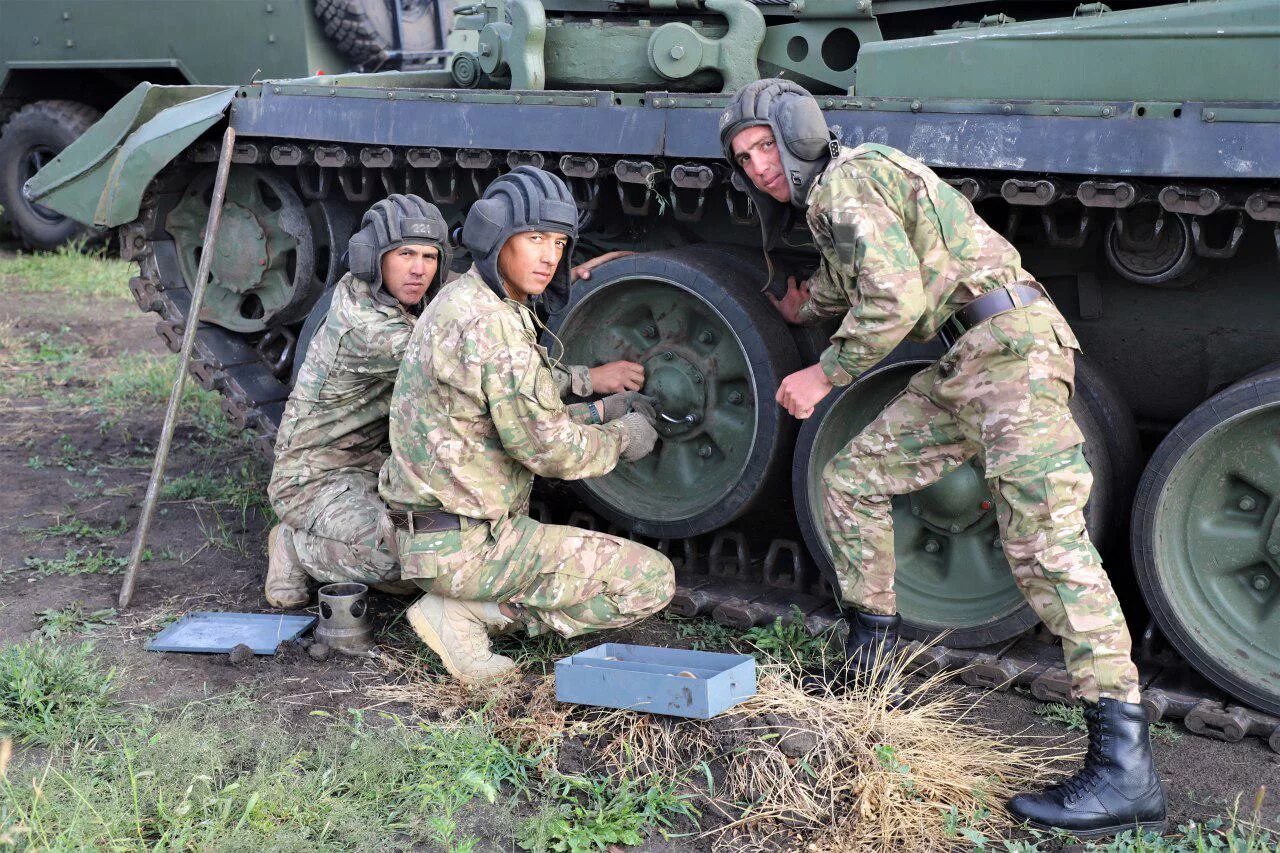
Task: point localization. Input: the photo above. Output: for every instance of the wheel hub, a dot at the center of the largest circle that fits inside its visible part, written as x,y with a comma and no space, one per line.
681,390
955,503
241,256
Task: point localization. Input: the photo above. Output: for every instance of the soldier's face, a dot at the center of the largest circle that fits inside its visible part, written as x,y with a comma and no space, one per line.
527,262
756,153
408,271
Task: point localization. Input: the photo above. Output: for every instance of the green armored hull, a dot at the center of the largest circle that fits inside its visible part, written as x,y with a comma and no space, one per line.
1133,156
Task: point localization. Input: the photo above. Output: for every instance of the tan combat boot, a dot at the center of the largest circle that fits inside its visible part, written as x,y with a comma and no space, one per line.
457,632
286,586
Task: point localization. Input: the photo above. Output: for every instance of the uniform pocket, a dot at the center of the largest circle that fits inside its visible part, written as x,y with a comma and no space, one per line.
1013,332
425,555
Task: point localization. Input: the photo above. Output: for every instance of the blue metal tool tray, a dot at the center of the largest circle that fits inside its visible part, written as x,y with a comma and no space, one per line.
676,682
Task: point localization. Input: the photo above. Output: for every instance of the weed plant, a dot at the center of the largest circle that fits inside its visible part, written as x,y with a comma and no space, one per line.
594,813
77,561
73,619
51,694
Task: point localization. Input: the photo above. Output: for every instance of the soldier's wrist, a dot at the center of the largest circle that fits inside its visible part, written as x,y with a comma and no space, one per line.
832,369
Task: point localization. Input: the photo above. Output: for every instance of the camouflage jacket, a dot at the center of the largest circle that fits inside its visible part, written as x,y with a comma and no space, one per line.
476,413
336,417
901,250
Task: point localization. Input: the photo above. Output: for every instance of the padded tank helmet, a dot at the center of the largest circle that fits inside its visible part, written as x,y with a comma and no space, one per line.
524,199
391,223
804,142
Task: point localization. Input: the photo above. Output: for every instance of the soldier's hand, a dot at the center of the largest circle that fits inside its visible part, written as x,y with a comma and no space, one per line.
789,305
638,437
617,376
643,404
800,392
584,270
616,405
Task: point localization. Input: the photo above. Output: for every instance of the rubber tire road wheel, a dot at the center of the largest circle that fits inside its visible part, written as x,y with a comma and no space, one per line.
363,29
1170,270
1204,539
606,319
41,129
1109,433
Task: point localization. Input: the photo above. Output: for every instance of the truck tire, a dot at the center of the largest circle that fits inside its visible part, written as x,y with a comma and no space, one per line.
364,29
33,136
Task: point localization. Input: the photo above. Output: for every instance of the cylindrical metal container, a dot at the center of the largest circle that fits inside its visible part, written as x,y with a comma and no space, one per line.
344,618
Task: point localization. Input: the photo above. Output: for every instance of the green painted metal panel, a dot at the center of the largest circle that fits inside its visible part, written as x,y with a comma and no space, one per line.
210,41
100,177
1220,51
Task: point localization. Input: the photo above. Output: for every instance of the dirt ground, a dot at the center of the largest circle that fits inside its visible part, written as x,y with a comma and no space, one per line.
78,462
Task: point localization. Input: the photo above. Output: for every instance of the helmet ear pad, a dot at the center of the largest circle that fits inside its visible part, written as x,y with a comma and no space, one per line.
486,220
363,258
801,128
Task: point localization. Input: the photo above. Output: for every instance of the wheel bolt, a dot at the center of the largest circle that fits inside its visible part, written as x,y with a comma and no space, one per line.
697,379
705,451
649,331
735,398
984,506
1261,583
956,528
931,546
915,510
667,356
707,338
1247,504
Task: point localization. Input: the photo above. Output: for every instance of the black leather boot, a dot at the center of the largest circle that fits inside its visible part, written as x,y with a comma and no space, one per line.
1117,789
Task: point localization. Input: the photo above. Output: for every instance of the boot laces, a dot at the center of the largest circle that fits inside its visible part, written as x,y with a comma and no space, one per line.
1082,782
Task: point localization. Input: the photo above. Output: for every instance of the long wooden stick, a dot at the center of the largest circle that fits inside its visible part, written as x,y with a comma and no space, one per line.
184,356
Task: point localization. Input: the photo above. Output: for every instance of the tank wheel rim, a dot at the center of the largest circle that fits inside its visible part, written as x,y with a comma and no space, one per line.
1145,257
713,356
263,274
1207,539
952,573
36,158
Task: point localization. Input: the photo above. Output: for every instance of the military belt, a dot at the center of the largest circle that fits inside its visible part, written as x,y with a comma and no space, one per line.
988,305
426,522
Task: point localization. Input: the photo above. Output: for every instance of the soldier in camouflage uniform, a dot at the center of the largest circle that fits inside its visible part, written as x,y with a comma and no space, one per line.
903,255
333,435
474,417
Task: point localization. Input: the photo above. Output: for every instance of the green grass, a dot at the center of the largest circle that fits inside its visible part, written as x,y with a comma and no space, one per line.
244,491
69,270
73,619
50,694
144,380
77,561
78,528
1072,716
593,813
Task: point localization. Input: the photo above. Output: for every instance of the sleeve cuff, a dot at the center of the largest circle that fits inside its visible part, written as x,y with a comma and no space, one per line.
580,380
836,374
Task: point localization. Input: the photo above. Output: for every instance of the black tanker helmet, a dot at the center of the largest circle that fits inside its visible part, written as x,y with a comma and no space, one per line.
524,199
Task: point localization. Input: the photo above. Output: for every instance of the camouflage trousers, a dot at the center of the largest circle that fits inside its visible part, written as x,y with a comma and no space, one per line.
567,580
348,534
1000,394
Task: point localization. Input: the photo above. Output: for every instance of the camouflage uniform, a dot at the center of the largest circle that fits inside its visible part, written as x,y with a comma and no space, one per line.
474,417
902,250
333,440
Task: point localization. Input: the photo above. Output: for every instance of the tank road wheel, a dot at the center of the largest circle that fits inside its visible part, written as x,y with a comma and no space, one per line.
1137,251
952,573
1206,539
265,271
714,352
364,30
30,139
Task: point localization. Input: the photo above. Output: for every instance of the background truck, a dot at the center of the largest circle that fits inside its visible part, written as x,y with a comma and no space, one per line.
62,64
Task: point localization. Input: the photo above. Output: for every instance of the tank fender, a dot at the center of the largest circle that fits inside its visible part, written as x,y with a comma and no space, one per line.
99,178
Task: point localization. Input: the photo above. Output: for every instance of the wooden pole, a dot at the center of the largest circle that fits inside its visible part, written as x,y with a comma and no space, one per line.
184,356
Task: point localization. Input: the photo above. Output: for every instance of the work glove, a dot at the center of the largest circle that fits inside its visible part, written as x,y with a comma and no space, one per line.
616,405
638,437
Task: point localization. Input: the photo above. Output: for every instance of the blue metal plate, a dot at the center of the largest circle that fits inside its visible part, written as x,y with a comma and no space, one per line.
212,633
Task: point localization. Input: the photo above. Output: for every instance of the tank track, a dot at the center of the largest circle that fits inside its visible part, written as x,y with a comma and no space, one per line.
739,583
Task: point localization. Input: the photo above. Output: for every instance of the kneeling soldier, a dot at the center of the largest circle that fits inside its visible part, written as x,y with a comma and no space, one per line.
903,254
475,415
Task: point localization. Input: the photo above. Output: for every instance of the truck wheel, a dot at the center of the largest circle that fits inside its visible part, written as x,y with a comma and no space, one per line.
32,137
952,573
365,31
1206,540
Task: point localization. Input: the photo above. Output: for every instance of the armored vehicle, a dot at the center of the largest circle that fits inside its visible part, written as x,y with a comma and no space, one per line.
1131,153
63,63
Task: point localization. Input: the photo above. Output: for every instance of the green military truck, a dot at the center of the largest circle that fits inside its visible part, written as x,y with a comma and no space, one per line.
64,62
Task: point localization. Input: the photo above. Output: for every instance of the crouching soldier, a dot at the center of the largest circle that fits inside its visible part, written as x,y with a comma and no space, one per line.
474,417
903,254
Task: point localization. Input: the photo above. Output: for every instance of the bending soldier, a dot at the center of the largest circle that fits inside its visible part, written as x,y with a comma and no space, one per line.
904,255
333,435
474,417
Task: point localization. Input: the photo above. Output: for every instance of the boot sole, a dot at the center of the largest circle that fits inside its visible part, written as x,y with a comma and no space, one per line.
1102,832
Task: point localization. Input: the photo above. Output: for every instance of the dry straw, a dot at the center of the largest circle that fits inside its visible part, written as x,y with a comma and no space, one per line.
894,763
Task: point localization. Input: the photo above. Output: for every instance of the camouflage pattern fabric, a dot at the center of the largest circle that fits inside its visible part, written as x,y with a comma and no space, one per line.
566,580
901,250
351,535
572,379
333,435
475,415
